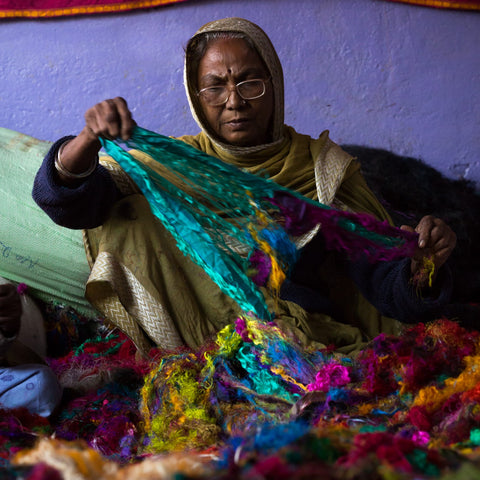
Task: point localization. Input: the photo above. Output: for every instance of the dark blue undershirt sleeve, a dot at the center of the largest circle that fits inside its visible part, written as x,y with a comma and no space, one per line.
388,287
84,206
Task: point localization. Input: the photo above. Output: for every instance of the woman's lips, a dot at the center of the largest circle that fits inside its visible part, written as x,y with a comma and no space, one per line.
237,123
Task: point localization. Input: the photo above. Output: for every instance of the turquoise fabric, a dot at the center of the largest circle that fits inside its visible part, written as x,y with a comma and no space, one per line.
203,202
48,258
197,229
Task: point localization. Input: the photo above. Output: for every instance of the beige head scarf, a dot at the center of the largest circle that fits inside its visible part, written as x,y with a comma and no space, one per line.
269,56
313,167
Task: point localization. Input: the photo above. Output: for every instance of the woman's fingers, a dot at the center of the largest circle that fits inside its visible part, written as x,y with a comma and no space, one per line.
437,238
110,119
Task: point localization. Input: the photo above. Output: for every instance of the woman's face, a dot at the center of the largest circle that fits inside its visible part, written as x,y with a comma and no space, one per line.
238,122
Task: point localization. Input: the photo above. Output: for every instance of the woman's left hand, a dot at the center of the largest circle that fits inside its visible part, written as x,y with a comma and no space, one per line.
435,240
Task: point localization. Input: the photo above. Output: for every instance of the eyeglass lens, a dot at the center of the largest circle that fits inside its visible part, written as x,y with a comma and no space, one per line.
248,90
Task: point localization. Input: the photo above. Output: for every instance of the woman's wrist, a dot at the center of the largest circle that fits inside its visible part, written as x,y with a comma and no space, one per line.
61,169
77,158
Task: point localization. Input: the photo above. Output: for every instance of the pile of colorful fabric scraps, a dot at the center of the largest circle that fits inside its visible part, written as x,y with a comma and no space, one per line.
255,404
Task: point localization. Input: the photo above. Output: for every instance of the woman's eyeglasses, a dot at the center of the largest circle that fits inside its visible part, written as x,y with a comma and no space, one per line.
247,90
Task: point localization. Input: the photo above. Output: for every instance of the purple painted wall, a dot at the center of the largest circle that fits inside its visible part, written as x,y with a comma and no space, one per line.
376,73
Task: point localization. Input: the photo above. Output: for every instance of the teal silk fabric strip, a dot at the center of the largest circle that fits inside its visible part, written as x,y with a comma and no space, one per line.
220,216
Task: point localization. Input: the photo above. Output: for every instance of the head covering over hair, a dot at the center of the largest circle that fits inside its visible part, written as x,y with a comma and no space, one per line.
267,53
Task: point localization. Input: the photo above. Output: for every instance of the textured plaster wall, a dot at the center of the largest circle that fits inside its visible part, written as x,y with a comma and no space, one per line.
376,73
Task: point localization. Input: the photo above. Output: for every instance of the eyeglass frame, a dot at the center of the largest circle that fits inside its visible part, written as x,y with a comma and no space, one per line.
235,87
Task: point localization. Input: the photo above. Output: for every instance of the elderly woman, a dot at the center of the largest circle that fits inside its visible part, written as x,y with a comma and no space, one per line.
143,283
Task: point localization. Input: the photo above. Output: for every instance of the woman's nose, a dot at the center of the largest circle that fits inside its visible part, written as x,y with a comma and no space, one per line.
234,100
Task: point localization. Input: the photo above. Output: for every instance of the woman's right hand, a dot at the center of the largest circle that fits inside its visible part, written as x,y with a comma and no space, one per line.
109,119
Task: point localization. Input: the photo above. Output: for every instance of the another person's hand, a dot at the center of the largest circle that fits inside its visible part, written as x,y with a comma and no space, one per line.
436,241
10,310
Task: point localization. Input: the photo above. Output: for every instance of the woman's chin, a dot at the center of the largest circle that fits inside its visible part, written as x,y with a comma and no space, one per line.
242,139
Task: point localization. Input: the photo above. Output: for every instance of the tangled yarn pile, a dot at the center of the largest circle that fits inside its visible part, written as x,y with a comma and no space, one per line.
256,404
406,404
